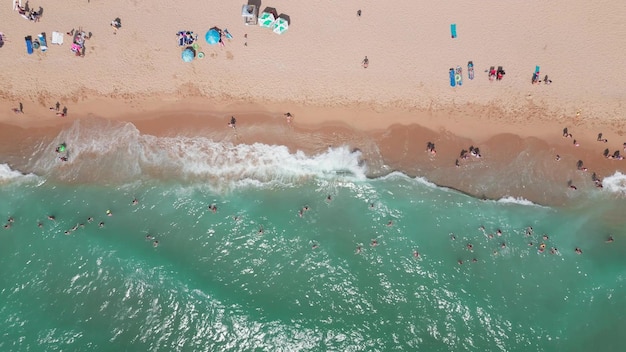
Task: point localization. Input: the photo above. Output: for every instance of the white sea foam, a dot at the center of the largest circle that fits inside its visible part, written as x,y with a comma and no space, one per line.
118,151
615,183
515,200
7,174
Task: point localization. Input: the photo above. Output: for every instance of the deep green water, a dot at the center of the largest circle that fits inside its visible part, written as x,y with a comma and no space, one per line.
215,283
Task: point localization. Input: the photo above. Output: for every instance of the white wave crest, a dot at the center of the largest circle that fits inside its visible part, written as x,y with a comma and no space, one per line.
615,183
118,151
516,200
7,174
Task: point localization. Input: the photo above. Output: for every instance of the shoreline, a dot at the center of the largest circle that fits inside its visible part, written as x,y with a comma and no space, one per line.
518,158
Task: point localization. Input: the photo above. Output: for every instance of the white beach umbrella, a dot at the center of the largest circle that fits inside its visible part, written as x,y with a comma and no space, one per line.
281,25
266,19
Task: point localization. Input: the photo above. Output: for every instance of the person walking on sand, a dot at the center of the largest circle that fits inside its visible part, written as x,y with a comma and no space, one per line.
365,62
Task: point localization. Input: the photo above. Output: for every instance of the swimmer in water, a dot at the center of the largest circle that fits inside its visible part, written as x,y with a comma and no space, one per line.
7,226
101,224
460,262
149,237
553,250
545,237
261,230
315,246
213,208
11,219
89,219
474,260
609,240
499,232
358,250
135,201
109,213
81,225
490,236
300,213
529,230
51,217
452,237
416,254
306,208
578,250
374,242
481,228
371,205
39,224
503,245
155,244
390,223
470,247
67,233
329,198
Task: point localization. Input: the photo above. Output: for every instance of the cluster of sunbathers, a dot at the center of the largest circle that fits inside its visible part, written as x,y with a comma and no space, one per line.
496,74
186,38
28,13
78,44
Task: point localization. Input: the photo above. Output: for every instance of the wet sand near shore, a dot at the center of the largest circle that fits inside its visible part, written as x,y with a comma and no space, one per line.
520,165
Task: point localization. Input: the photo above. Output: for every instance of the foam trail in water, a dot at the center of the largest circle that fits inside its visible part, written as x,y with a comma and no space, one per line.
118,151
515,200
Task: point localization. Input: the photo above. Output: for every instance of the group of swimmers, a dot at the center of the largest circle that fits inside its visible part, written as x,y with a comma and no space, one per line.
465,154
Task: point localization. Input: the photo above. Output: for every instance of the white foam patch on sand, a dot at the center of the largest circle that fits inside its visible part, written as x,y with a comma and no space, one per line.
615,183
7,174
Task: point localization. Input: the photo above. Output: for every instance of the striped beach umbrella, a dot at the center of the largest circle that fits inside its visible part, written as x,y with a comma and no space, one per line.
266,19
281,25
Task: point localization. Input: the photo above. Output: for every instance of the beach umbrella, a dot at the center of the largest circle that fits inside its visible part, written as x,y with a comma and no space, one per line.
281,25
266,19
212,36
188,55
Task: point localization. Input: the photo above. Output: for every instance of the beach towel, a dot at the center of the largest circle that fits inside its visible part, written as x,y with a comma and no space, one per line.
29,44
536,69
470,69
453,30
57,38
452,78
42,41
459,76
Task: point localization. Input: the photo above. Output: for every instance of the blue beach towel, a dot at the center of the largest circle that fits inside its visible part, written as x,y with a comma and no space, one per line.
29,44
452,78
453,30
537,69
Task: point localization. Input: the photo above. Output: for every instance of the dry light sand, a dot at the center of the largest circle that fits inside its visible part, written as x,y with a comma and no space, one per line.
314,70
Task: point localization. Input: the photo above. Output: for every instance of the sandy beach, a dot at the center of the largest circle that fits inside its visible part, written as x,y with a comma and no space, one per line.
389,110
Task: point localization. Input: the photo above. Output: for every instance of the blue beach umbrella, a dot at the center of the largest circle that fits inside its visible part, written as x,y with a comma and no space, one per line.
188,55
212,36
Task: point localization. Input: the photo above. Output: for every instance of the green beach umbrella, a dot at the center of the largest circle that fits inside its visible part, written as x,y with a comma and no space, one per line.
266,19
281,25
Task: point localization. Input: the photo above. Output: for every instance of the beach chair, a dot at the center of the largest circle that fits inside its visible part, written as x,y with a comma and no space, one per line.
452,78
29,44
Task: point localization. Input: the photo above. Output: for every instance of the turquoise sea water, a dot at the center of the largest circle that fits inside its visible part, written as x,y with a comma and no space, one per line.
215,283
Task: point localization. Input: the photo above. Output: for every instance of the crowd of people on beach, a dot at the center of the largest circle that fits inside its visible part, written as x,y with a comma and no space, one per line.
26,12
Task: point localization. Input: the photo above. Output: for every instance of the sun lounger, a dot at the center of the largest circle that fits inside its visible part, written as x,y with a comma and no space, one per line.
470,69
453,30
452,79
459,76
42,41
57,38
29,44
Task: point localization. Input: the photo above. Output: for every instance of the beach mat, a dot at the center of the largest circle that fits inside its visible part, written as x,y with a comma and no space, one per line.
537,69
453,30
29,44
470,69
459,76
452,78
42,41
